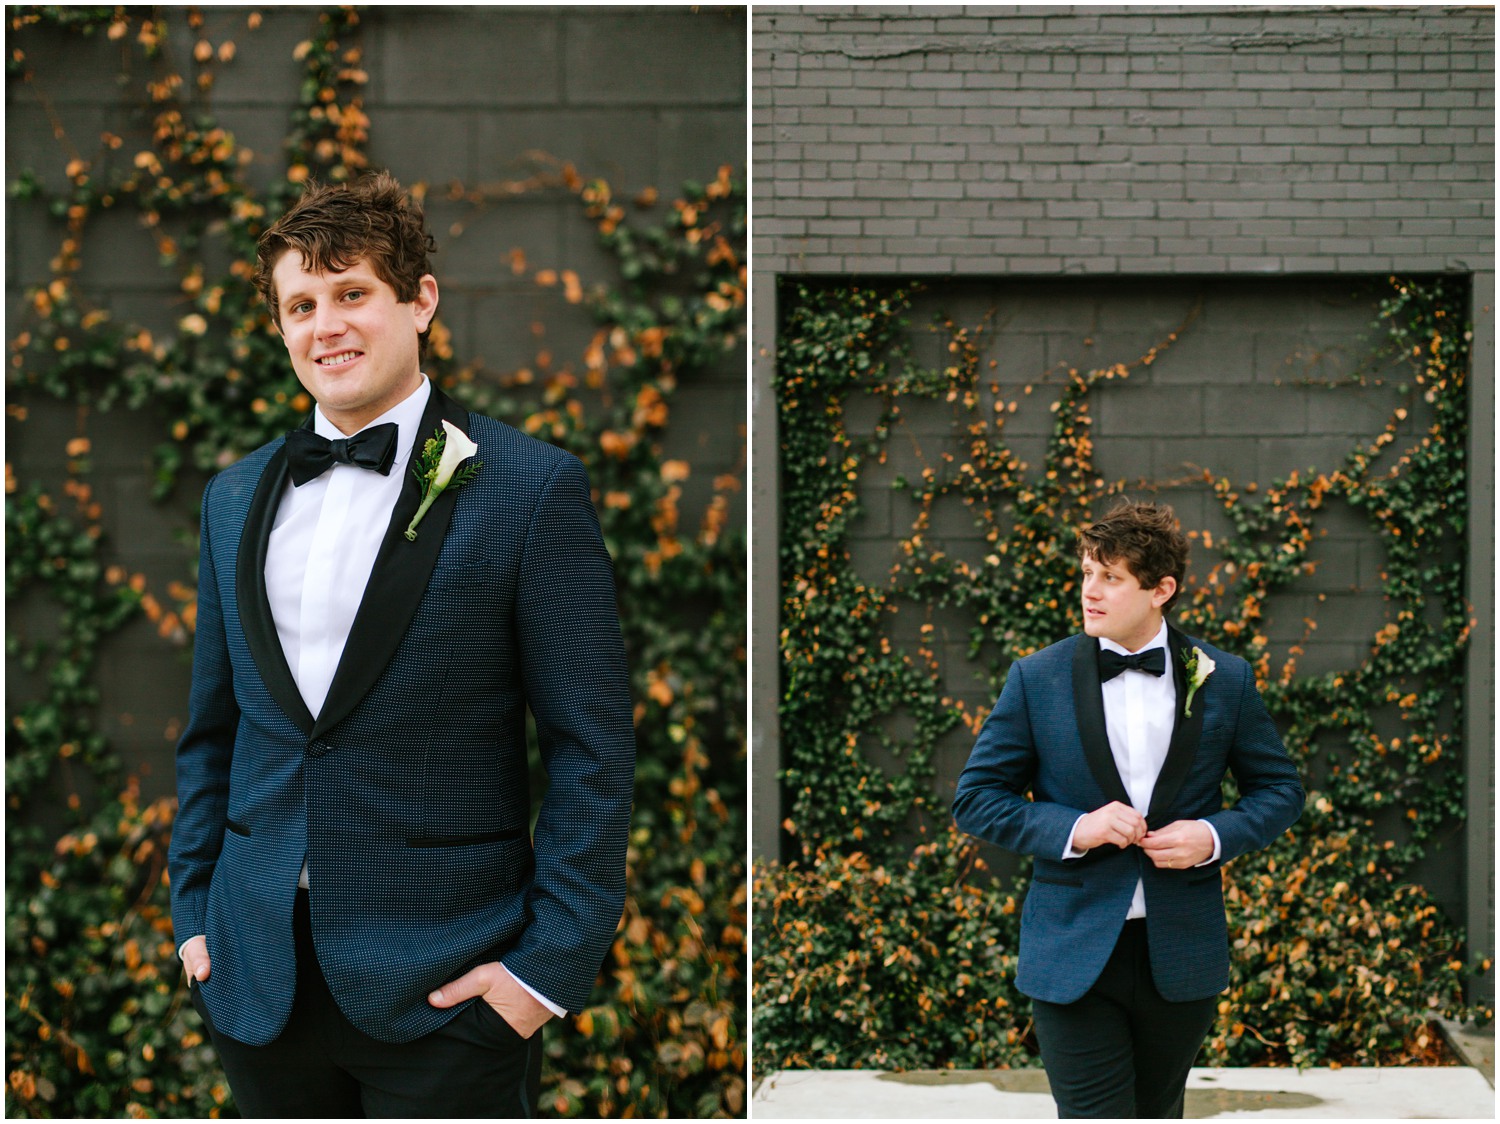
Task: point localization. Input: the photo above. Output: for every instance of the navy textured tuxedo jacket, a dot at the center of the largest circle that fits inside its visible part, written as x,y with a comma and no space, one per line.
408,792
1047,735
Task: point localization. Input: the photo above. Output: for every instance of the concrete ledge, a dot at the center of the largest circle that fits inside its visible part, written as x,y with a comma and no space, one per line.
1474,1046
1437,1092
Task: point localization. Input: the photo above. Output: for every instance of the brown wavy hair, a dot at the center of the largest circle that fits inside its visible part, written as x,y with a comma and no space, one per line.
1145,537
334,225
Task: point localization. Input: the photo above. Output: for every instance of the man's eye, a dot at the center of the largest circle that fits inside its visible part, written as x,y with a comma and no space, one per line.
354,294
302,307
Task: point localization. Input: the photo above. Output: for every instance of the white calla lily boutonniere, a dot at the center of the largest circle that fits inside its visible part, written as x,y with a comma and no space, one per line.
1199,667
438,469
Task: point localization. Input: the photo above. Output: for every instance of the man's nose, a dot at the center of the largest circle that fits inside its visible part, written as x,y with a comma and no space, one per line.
327,321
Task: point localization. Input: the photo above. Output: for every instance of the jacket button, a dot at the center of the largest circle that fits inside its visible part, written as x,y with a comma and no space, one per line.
317,748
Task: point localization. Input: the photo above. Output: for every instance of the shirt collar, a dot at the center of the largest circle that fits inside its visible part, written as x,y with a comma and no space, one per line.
407,414
1160,641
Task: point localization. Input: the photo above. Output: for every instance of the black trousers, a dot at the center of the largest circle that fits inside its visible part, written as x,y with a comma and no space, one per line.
322,1065
1122,1050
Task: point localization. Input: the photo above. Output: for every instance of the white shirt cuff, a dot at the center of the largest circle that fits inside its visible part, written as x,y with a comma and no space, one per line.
1213,858
1068,852
535,994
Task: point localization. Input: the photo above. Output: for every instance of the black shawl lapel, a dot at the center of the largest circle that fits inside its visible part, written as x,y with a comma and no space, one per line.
399,577
1088,705
1186,733
251,597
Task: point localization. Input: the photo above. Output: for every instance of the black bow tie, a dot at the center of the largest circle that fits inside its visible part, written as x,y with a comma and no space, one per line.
1152,662
311,455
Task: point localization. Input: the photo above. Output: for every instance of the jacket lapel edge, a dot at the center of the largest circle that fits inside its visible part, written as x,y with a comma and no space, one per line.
1186,732
1088,705
398,579
253,600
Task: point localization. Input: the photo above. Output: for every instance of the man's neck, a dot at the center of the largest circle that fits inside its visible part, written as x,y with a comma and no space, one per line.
1143,641
350,423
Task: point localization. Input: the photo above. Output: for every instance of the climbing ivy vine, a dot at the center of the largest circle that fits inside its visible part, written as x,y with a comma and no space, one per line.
872,952
96,1018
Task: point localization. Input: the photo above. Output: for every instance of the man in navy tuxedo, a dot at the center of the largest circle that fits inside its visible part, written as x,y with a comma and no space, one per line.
369,920
1123,736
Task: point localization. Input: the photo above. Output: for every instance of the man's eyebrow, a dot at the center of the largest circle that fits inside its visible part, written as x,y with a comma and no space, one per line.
353,279
344,279
295,290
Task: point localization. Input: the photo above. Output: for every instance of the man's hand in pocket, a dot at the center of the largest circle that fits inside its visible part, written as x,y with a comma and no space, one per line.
500,990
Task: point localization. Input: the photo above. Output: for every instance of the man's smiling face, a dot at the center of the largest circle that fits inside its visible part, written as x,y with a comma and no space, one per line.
351,342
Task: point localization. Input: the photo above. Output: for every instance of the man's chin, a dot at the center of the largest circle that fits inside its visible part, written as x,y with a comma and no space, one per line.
1099,629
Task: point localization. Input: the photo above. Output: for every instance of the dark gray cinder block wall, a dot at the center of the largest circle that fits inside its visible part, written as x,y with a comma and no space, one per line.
638,96
1279,160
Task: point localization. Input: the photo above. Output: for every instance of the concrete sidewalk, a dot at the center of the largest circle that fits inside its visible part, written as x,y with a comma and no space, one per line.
1435,1092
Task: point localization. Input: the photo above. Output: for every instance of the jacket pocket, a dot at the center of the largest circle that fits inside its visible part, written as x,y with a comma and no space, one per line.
237,828
475,576
1054,881
464,840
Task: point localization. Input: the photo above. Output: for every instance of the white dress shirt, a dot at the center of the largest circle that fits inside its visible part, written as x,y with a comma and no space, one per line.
1139,712
322,549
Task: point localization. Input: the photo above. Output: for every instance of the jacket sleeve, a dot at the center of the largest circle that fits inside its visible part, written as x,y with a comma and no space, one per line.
578,690
1271,793
203,752
990,801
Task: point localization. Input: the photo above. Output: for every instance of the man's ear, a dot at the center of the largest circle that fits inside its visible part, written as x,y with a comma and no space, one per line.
425,306
1163,591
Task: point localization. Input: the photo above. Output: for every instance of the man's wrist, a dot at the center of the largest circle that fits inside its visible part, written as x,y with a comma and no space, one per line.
1069,851
557,1011
1218,848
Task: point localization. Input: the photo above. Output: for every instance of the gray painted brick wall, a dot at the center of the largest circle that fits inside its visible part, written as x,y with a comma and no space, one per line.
1104,140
